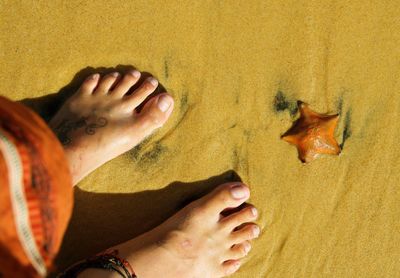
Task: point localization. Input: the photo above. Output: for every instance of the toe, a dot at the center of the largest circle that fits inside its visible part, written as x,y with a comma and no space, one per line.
239,251
130,79
229,195
141,93
236,219
89,84
230,267
246,232
154,114
106,83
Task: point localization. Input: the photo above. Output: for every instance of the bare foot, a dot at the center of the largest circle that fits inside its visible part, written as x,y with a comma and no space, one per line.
197,241
99,122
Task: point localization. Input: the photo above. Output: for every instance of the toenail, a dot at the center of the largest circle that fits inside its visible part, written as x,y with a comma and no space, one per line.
256,231
152,81
238,192
254,211
115,74
135,73
164,102
247,248
95,76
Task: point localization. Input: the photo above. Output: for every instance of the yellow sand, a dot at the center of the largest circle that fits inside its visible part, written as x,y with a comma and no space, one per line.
225,62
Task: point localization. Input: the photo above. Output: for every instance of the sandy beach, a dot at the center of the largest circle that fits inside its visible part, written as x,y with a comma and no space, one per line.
230,65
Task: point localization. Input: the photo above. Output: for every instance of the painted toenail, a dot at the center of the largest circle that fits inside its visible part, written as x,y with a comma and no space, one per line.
256,231
254,211
135,73
115,74
153,81
95,76
164,102
238,192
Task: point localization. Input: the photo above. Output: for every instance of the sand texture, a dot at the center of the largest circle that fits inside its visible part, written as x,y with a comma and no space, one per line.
236,70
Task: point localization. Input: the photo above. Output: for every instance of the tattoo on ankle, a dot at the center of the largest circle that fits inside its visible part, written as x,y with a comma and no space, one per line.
66,126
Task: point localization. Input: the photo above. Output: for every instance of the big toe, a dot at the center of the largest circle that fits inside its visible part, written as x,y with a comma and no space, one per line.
226,196
155,113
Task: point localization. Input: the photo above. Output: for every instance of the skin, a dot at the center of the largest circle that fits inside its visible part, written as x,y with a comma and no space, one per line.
197,242
99,123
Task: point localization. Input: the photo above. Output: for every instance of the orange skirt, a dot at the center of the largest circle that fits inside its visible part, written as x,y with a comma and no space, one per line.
36,195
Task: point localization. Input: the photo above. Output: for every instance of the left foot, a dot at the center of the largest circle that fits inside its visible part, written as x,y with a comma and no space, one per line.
99,122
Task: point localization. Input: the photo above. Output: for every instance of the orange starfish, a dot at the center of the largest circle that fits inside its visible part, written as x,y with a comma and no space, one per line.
313,134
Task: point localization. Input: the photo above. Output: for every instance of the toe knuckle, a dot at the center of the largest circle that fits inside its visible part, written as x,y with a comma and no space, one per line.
224,196
238,218
154,119
249,233
246,214
129,78
148,86
87,86
224,200
242,250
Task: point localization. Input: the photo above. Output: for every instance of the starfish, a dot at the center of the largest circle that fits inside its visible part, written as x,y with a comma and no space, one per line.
313,134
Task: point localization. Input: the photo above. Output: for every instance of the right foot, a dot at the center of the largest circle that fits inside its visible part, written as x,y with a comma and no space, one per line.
197,241
99,122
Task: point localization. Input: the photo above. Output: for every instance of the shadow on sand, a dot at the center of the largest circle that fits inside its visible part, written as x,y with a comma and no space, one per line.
101,220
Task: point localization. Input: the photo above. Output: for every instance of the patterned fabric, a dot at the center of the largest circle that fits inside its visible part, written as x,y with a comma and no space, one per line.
35,193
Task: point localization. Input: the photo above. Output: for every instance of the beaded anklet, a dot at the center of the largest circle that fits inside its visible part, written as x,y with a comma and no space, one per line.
107,260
